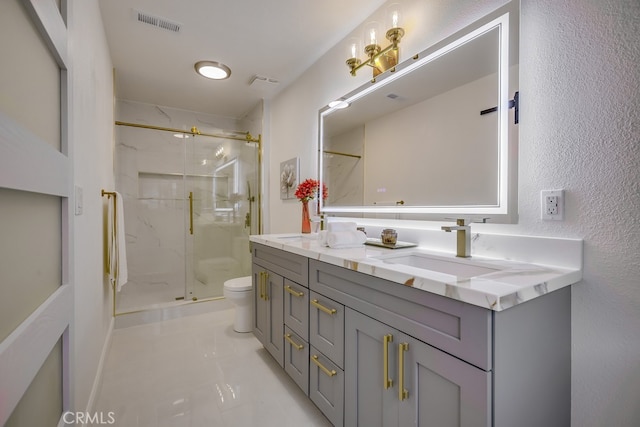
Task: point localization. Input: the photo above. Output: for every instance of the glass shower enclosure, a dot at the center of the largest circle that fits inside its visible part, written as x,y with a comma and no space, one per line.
190,205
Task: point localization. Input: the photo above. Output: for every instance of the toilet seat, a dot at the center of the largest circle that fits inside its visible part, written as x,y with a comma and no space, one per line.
238,284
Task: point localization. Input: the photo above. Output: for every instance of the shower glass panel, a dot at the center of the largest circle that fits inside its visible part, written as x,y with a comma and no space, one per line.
217,174
187,214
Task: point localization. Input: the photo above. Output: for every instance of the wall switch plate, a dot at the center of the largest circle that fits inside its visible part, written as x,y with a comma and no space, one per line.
552,205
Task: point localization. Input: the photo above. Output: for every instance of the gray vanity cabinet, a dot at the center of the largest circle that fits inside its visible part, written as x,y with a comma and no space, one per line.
296,308
392,379
376,352
326,323
326,336
296,358
296,335
268,325
275,273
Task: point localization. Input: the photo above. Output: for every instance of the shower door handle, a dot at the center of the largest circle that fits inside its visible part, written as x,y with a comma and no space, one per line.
190,212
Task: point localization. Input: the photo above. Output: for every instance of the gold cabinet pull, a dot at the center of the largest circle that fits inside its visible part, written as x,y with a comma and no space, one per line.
293,292
261,285
329,311
266,286
190,212
315,360
292,342
402,392
387,382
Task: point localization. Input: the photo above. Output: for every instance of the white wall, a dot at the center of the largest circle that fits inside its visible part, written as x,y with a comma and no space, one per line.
92,133
579,88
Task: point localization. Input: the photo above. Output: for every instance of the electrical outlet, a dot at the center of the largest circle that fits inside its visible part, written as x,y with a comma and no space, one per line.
552,205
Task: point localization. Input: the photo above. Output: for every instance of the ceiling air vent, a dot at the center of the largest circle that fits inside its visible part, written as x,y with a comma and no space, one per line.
157,21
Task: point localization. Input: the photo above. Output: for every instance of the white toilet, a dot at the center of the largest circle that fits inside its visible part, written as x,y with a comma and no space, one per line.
239,291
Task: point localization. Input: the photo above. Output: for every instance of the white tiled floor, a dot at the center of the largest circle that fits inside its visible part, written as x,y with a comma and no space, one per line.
196,371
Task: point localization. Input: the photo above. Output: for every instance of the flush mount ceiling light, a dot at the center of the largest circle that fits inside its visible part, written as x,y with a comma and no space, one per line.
212,70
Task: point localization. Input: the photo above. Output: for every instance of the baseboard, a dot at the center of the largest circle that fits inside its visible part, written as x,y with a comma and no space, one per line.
98,378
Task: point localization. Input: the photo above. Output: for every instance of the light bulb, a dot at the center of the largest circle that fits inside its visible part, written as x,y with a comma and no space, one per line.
353,48
371,33
394,16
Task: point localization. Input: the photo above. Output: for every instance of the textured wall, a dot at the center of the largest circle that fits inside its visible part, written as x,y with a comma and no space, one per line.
580,86
92,134
579,131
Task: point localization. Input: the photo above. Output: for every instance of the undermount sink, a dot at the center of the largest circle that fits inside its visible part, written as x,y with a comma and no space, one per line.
463,268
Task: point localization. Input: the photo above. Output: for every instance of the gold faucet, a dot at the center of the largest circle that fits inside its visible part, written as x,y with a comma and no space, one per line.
463,247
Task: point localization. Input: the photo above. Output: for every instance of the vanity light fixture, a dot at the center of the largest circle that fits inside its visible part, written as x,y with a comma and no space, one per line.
379,59
212,70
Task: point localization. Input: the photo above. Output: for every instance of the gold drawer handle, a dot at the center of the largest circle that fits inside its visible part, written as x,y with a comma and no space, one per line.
329,311
387,382
292,342
261,285
293,292
402,392
315,360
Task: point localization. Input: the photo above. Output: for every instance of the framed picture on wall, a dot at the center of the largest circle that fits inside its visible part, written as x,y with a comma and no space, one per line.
289,171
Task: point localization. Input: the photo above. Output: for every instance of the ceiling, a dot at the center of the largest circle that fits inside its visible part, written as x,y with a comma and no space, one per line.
277,39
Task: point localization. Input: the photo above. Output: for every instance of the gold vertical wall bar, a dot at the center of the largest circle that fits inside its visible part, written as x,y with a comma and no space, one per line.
387,382
190,212
259,184
402,392
108,264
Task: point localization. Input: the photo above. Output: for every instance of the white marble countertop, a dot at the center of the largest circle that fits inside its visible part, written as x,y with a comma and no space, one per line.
511,283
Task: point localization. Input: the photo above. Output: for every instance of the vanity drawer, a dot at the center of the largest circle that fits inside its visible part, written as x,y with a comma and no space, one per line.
296,308
458,328
287,264
326,327
296,359
326,386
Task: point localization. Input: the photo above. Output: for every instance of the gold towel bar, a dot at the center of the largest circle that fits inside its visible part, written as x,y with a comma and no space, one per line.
107,193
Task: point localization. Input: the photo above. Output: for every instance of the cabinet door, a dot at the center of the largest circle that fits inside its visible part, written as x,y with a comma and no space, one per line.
371,393
326,387
296,308
275,324
439,389
259,304
296,359
326,327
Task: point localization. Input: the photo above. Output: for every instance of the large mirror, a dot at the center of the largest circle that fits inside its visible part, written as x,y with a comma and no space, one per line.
436,137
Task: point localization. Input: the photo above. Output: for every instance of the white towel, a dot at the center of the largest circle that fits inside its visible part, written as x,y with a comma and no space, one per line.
346,239
342,226
322,237
117,255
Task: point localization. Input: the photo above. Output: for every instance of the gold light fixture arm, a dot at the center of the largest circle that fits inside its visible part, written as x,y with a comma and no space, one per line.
380,60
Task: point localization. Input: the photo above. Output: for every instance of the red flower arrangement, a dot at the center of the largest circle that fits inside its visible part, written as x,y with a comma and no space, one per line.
308,190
